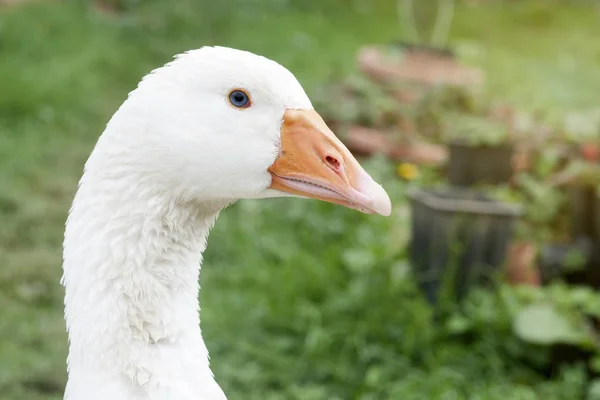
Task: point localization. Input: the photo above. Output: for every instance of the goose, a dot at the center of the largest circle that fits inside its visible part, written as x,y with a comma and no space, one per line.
213,126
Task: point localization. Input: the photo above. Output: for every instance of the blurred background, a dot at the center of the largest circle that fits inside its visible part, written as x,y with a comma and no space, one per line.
480,117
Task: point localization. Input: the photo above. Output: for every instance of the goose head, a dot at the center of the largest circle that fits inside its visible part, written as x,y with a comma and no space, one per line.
224,124
214,126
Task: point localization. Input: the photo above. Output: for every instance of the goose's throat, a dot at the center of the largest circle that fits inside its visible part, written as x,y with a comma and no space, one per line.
131,271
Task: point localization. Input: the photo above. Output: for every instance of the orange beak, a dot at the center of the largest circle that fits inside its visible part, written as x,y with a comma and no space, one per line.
314,163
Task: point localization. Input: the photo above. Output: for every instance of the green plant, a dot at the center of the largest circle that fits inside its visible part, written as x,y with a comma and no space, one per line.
435,16
474,130
543,204
582,126
561,314
432,107
580,172
357,100
538,318
118,5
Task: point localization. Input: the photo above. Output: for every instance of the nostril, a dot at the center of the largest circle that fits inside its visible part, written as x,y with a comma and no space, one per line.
333,162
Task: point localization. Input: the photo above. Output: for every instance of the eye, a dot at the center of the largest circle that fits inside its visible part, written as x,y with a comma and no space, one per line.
239,99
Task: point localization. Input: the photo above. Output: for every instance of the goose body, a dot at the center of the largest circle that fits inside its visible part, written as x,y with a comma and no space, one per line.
214,126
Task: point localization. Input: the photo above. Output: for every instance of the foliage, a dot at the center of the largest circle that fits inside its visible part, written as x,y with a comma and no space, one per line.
544,190
463,115
405,349
544,203
582,126
585,173
561,314
117,5
357,100
433,16
539,319
436,103
475,130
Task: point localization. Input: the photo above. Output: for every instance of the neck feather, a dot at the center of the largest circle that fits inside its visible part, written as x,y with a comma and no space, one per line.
131,269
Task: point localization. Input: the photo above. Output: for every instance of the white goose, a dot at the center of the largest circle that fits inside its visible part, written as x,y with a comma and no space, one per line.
214,126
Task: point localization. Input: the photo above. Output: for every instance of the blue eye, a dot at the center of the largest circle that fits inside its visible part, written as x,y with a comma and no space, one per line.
239,99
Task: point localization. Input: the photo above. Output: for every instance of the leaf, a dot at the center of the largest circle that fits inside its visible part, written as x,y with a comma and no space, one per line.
358,260
458,324
594,390
542,324
595,366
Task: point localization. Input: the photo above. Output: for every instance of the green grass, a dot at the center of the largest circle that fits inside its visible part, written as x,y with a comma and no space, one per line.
318,306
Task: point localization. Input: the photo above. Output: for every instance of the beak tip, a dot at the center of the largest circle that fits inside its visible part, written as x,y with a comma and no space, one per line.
382,204
375,197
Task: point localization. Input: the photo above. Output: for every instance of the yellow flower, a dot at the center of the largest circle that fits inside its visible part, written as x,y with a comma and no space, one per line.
407,171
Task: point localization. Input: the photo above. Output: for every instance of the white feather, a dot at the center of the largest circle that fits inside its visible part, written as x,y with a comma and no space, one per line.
172,156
